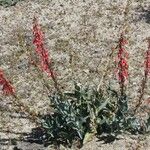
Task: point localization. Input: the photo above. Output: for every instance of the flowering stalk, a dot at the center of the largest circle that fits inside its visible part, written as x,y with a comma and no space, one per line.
122,65
146,75
122,75
42,52
147,61
8,89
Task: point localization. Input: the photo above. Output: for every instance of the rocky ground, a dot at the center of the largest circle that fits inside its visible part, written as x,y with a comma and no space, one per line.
79,35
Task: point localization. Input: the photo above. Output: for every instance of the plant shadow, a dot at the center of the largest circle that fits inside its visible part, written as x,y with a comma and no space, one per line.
38,136
26,140
107,138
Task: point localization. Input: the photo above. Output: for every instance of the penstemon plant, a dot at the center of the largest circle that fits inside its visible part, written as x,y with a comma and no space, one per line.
84,112
122,74
87,112
42,52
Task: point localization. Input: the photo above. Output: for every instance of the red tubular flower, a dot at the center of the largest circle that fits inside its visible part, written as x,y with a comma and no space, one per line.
6,86
41,51
147,62
122,65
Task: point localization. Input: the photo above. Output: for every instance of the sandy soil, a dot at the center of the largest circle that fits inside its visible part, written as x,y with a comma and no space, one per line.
79,35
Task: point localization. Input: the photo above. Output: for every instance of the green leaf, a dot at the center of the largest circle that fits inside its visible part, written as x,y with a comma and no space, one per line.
102,106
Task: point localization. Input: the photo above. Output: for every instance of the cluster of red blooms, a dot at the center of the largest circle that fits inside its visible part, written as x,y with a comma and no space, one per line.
6,86
147,61
122,66
41,51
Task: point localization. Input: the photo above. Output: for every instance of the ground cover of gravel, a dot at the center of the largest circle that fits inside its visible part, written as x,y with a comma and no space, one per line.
79,36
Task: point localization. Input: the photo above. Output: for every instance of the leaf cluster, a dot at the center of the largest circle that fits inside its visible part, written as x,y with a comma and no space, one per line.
85,111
